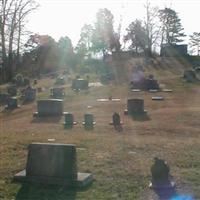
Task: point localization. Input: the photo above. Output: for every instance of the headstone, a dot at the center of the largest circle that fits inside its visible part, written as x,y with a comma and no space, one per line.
12,90
135,107
29,94
12,103
89,121
49,107
60,81
39,89
160,174
116,121
69,120
35,82
57,92
80,84
53,164
151,84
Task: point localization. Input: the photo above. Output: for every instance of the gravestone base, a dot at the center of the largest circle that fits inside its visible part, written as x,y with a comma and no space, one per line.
68,126
169,184
167,90
11,107
143,113
83,179
37,115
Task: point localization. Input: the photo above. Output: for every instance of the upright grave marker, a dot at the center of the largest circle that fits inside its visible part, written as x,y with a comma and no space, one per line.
53,164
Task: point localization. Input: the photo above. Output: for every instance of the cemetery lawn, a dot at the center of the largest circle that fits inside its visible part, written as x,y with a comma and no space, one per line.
119,161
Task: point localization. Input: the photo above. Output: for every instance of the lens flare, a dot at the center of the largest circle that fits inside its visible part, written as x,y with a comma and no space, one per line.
183,197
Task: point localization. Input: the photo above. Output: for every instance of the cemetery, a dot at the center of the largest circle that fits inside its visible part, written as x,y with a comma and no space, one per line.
113,115
112,140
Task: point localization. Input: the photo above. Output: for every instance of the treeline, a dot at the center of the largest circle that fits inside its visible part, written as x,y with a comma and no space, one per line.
41,53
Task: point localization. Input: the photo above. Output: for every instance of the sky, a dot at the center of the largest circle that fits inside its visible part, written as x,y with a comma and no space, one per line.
66,17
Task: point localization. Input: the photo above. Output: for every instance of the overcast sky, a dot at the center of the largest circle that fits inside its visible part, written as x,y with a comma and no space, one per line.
66,17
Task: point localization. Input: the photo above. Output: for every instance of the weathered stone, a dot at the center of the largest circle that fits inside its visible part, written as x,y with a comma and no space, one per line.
157,98
135,107
52,164
69,120
29,94
12,103
80,84
49,107
89,121
57,92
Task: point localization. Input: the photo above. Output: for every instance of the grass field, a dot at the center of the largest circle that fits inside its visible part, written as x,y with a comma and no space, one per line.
119,161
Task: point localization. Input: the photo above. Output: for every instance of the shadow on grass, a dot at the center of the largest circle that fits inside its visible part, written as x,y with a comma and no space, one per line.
38,192
144,117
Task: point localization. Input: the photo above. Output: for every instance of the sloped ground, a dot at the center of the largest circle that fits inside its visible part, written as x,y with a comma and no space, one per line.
120,161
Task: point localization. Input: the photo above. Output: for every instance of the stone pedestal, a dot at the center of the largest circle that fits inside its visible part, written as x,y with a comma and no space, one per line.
52,164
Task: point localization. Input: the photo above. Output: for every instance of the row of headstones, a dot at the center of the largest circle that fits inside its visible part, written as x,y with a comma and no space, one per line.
56,164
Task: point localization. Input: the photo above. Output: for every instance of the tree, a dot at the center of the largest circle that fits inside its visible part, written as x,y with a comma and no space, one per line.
66,50
152,26
104,38
84,45
172,30
43,52
195,42
137,35
12,17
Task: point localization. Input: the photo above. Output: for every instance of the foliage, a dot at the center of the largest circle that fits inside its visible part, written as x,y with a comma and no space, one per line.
136,35
172,30
195,42
104,38
84,45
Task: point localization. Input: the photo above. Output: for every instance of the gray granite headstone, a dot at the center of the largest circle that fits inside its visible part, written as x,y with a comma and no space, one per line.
55,164
12,103
135,107
49,107
80,84
57,92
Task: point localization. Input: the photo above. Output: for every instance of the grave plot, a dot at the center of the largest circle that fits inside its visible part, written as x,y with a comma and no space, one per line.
53,164
49,107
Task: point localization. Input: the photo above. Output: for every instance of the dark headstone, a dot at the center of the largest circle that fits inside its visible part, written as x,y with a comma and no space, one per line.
60,81
49,107
57,92
69,120
80,84
52,164
35,82
116,119
161,182
12,103
12,90
29,94
135,107
89,121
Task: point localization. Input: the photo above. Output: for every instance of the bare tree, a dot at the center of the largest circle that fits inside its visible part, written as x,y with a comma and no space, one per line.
12,21
195,42
152,26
